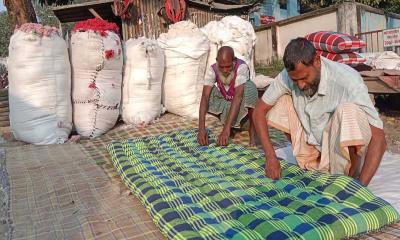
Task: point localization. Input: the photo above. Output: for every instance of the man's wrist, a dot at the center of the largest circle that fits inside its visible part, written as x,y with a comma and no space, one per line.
226,129
271,156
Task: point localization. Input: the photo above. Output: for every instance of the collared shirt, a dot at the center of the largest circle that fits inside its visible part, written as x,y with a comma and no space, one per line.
338,83
243,75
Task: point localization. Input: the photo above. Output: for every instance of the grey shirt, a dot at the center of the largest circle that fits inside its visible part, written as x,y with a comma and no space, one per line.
339,83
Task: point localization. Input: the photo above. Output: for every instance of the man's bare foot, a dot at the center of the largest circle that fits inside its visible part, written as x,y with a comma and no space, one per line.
355,161
252,131
252,142
74,139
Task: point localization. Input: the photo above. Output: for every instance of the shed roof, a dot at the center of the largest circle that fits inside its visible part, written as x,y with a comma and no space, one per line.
222,7
81,11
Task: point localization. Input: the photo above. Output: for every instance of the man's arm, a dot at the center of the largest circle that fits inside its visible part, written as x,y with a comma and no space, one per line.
377,145
272,165
202,137
375,151
232,115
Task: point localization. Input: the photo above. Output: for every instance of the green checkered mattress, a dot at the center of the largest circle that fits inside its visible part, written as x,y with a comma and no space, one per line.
196,192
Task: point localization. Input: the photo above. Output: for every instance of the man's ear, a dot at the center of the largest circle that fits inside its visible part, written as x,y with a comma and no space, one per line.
317,61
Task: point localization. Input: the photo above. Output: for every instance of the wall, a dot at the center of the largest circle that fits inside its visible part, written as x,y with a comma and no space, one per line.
393,22
372,21
290,11
293,30
272,8
349,17
272,39
264,52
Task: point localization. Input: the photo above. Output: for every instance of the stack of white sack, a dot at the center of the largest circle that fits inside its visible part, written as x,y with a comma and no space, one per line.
234,32
39,85
143,75
96,59
186,49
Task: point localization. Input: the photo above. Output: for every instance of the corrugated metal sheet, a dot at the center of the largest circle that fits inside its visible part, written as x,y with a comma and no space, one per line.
147,22
151,25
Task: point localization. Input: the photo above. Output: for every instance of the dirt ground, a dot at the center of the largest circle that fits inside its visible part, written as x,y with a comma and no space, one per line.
389,109
391,123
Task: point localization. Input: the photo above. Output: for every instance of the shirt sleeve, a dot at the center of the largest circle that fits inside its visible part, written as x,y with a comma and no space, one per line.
278,87
209,79
360,97
243,75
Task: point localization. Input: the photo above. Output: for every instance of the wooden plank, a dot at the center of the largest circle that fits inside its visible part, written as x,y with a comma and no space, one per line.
274,42
374,73
141,27
85,4
94,13
358,10
145,19
391,72
3,104
4,123
138,21
375,85
2,114
4,92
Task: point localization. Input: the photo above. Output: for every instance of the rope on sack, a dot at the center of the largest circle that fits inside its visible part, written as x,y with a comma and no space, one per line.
97,95
175,10
149,77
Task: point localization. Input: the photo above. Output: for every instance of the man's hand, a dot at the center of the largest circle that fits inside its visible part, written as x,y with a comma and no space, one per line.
223,138
202,137
273,168
272,165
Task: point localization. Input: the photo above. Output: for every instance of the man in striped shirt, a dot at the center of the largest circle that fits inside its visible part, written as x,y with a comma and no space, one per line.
325,108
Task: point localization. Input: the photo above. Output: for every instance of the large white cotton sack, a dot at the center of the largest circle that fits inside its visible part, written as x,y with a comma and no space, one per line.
217,34
262,81
387,60
186,49
234,32
39,85
143,75
96,60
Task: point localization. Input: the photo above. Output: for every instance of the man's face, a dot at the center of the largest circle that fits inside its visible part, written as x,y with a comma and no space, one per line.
307,77
225,65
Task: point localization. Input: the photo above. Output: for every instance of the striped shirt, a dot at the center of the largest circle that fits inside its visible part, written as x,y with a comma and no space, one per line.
338,83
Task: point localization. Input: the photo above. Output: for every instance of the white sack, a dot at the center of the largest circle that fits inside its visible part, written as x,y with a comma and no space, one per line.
262,81
386,60
96,79
234,32
143,75
39,88
186,49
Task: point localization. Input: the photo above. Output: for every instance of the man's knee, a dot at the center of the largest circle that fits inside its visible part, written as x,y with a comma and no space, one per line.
349,111
348,108
250,88
287,99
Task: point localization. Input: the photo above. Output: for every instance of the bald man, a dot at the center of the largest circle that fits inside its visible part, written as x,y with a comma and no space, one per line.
229,94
